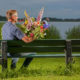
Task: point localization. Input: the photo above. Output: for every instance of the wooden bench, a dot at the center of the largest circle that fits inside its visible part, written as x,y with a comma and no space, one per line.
42,46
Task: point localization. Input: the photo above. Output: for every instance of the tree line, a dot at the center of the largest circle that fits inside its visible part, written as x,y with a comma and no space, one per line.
3,18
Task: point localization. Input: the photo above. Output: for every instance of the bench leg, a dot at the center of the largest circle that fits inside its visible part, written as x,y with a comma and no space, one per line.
27,62
4,55
68,53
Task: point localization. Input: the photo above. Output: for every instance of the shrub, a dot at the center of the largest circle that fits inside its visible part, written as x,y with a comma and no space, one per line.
73,33
53,33
1,24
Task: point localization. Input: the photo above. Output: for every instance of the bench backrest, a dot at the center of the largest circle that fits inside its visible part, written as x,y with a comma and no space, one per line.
36,46
17,46
75,45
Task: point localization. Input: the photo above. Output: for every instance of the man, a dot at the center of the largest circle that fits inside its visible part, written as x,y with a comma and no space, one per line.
11,32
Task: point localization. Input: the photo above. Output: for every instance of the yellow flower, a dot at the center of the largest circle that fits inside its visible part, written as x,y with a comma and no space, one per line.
26,21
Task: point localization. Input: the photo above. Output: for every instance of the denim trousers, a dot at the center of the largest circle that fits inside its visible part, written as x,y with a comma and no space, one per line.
15,60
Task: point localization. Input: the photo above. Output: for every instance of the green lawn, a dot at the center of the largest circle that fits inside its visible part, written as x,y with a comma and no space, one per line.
43,69
48,78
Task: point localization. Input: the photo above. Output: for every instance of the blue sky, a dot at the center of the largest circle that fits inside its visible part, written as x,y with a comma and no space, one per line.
53,8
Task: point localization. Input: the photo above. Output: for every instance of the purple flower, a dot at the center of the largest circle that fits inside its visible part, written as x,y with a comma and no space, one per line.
46,25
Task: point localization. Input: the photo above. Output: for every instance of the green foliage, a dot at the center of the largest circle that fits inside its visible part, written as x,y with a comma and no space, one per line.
73,33
1,24
53,33
40,67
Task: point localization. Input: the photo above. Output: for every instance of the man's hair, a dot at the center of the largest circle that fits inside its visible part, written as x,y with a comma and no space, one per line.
9,13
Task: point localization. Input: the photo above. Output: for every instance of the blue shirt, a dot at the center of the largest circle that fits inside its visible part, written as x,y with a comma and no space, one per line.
11,32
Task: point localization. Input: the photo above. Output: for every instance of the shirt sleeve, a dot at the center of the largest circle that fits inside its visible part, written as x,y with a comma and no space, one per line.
18,33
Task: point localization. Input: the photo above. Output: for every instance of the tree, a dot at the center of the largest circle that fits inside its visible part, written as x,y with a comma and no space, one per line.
53,33
73,33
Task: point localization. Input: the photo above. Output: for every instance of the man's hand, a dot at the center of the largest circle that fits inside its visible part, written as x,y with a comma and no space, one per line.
28,39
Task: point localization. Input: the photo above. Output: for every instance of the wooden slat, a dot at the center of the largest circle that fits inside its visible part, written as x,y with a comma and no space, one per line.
45,55
0,60
0,42
36,49
41,55
76,55
75,42
37,43
76,49
45,42
0,55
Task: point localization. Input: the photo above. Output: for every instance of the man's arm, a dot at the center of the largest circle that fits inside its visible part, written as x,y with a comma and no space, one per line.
20,35
27,39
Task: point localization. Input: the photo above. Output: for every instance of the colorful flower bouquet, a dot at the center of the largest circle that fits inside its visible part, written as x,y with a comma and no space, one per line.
35,27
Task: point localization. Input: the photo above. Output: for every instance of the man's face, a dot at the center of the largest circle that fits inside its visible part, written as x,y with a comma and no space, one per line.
15,17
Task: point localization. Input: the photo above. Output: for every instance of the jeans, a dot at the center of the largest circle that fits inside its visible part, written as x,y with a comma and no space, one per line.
14,60
27,60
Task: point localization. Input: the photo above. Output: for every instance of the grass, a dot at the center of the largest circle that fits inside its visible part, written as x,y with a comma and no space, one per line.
1,24
48,78
43,69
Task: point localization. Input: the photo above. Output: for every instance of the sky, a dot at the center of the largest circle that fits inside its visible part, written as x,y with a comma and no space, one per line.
52,8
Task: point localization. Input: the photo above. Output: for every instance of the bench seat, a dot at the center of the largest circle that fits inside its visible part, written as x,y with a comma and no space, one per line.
43,55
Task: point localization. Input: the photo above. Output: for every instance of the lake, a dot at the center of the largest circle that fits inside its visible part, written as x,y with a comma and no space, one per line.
64,26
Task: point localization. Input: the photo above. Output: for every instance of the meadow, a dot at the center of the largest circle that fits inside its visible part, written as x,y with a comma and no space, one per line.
42,69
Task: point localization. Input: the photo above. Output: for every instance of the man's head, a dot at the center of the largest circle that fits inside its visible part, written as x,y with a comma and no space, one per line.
12,15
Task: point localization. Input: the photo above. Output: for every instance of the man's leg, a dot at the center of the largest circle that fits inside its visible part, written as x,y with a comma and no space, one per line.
14,61
27,61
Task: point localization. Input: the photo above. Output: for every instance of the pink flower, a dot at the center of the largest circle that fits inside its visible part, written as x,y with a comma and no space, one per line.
31,34
28,27
41,30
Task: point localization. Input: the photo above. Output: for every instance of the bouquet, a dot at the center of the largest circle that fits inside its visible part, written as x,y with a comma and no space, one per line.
35,27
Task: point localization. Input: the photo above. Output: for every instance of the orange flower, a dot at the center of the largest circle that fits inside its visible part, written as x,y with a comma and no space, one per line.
38,22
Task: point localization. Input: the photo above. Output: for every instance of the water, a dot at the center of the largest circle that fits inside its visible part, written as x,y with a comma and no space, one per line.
64,26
